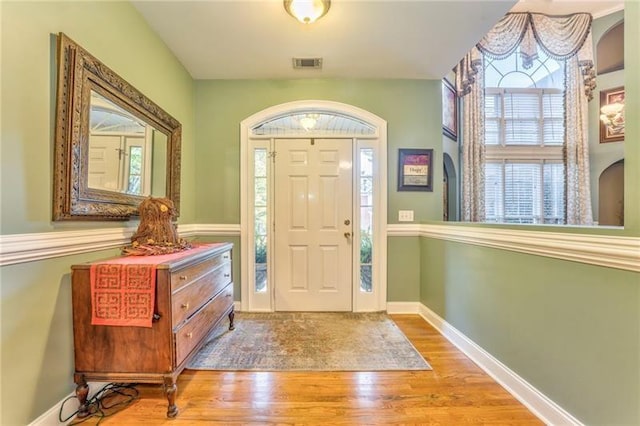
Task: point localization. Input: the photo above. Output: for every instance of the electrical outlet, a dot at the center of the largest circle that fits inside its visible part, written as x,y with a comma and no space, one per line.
405,215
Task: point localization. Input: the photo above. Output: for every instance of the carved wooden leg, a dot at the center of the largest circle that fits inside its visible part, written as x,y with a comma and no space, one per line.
231,316
82,392
170,389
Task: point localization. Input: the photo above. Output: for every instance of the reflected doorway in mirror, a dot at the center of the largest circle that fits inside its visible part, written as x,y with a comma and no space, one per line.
124,151
113,145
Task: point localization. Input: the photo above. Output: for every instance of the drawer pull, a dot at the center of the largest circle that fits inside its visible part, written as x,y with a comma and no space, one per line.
189,335
226,256
227,275
185,305
183,277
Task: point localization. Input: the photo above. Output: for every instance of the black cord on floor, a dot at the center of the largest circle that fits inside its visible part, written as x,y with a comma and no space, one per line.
106,402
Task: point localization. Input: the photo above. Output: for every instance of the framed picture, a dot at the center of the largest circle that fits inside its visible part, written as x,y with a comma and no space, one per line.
449,111
415,172
613,131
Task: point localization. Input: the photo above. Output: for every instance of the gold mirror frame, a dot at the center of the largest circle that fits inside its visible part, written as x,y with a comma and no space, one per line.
78,74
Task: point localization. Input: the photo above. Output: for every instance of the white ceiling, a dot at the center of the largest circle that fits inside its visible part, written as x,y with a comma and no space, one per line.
597,8
257,39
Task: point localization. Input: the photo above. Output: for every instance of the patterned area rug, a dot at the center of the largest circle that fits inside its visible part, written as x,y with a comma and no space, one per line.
302,341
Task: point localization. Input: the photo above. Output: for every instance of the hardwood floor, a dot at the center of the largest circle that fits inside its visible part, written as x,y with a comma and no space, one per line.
455,392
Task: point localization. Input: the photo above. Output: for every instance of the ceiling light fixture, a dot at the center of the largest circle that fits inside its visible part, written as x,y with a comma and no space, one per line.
307,11
308,121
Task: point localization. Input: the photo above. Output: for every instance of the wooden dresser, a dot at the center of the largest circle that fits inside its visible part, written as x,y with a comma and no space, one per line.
194,292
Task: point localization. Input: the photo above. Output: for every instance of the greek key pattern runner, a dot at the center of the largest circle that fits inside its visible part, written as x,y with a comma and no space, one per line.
122,294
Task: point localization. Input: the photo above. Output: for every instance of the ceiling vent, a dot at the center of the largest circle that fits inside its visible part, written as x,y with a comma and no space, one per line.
307,63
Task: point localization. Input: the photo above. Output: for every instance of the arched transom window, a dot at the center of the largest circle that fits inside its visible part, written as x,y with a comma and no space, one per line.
311,122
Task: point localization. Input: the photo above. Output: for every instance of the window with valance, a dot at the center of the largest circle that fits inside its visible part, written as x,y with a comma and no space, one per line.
525,88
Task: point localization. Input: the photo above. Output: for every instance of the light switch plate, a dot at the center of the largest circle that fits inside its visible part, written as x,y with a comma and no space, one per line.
405,215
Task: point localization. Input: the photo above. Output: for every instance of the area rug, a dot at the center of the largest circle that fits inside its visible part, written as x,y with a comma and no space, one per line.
303,341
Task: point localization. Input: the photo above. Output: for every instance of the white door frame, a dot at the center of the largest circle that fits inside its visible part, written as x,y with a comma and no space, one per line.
362,301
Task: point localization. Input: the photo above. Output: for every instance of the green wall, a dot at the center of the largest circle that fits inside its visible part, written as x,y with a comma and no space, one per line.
411,108
35,306
632,109
403,269
37,336
116,34
571,330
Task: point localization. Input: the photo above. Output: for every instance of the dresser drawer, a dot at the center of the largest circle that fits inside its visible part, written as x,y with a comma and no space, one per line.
188,299
185,276
198,326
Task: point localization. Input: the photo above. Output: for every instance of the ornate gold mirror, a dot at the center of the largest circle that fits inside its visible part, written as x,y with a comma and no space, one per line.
114,147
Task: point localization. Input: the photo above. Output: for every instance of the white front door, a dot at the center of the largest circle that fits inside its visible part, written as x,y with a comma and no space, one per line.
105,165
313,225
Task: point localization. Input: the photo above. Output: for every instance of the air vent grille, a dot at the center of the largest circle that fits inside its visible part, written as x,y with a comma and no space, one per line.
307,63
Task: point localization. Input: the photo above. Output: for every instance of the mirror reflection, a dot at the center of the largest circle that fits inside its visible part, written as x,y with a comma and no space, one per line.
113,146
124,151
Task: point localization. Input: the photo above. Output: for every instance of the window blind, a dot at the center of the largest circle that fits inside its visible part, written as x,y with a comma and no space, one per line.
524,117
524,191
524,186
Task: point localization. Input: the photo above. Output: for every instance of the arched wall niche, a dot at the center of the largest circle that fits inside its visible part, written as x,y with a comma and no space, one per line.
610,50
450,192
611,190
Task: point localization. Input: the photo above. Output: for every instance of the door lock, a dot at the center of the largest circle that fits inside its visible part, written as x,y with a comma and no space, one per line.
347,222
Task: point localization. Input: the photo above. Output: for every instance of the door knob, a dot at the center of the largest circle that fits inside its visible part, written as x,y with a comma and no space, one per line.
347,234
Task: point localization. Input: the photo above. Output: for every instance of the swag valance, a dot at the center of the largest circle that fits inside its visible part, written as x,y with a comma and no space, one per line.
560,37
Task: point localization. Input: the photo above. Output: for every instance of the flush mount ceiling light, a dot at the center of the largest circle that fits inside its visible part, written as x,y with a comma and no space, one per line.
307,11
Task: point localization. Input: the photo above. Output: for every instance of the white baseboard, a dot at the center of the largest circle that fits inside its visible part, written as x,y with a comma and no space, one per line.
543,407
52,416
403,307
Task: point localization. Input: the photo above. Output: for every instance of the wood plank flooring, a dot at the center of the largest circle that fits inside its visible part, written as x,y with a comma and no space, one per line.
455,392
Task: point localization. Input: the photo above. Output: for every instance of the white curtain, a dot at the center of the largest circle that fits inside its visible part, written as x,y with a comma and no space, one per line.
564,38
578,192
470,83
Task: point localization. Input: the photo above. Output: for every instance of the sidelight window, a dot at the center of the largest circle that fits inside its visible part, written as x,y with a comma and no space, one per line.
134,185
260,219
366,219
